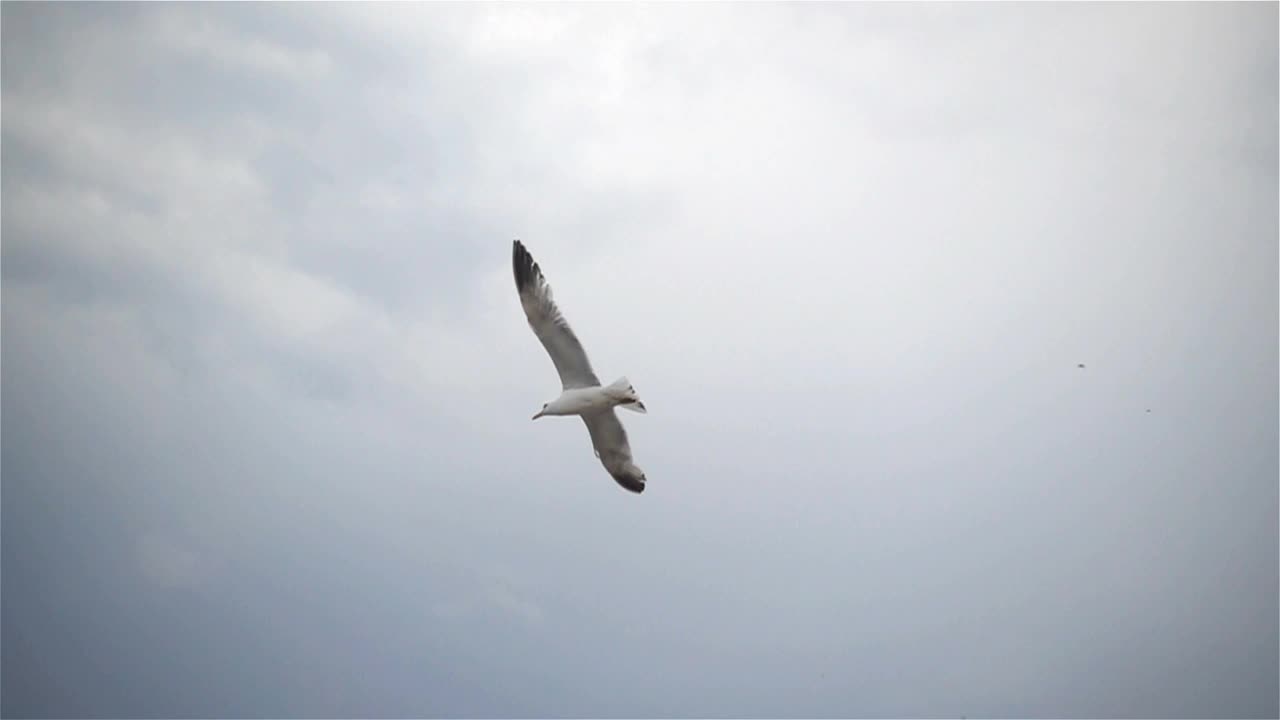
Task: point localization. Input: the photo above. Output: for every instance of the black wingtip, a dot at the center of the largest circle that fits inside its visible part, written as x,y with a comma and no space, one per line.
523,265
630,484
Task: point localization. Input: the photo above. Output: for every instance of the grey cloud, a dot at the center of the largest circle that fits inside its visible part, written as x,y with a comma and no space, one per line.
265,421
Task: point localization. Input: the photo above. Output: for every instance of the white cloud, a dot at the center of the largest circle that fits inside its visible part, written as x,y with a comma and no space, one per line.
203,36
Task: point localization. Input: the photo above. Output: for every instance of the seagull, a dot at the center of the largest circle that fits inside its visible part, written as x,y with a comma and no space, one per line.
582,393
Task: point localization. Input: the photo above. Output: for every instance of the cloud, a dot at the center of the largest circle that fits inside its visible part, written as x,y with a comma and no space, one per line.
261,351
493,596
169,564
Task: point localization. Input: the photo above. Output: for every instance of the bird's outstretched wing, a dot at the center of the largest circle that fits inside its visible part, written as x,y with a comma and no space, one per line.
609,439
549,325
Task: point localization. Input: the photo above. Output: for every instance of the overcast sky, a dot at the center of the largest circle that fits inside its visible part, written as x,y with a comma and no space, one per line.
267,384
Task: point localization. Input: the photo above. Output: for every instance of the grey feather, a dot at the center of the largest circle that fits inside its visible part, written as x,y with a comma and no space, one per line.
609,439
549,324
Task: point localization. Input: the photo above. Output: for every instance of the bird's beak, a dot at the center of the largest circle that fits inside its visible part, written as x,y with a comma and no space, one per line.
535,417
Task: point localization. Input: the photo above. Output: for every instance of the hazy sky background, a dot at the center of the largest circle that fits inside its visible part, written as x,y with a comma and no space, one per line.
267,385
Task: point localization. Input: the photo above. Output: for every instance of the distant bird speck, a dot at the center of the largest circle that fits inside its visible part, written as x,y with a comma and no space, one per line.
1081,365
582,393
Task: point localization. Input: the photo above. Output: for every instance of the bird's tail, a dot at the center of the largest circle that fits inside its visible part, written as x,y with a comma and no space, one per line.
626,396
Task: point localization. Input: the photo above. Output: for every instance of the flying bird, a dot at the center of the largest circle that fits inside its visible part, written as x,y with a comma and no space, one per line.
581,393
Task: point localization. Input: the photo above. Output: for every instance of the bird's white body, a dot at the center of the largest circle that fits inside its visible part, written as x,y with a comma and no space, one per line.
594,399
580,401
